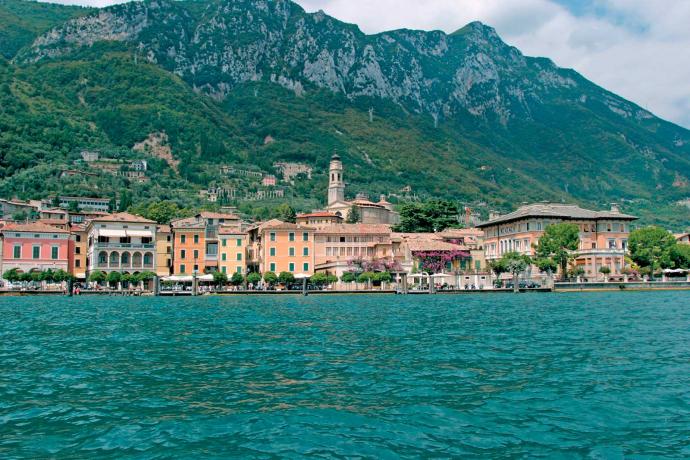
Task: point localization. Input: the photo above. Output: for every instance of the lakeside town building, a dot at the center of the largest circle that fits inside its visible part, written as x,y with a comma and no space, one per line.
233,250
34,247
121,242
279,246
603,234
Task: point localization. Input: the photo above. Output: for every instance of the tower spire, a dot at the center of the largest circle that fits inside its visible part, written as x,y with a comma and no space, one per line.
336,183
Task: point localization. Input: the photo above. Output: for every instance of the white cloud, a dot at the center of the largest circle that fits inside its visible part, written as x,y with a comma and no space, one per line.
639,49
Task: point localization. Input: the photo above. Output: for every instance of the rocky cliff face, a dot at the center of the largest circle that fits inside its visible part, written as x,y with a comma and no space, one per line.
235,41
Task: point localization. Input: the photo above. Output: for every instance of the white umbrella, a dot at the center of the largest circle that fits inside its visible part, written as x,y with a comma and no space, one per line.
302,276
440,275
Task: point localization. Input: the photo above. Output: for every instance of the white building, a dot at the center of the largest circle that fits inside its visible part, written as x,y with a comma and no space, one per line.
121,242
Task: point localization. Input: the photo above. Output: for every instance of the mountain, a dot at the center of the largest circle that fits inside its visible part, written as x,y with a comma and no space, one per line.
250,82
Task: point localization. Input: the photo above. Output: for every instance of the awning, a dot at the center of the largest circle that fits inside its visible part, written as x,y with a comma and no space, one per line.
178,278
112,233
143,233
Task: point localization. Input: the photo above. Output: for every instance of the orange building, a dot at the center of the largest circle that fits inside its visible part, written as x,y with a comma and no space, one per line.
164,250
319,219
278,246
603,234
337,246
196,241
80,239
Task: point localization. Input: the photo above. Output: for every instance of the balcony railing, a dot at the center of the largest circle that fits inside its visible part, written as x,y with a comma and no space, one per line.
125,246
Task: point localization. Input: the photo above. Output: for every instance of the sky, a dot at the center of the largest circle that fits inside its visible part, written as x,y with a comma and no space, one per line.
638,49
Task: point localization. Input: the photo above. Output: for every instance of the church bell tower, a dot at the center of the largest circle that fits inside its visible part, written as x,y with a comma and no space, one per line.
336,184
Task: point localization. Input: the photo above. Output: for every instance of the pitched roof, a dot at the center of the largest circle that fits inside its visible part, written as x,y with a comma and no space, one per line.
35,227
163,228
218,215
428,242
123,217
230,230
318,214
557,211
276,224
354,229
187,222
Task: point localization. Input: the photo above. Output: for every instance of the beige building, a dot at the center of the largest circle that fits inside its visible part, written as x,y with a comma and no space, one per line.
319,219
603,234
340,247
80,237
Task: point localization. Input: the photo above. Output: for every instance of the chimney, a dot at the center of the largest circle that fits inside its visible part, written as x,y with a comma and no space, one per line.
615,208
493,215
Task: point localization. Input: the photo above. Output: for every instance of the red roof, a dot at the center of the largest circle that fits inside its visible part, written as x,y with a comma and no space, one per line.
318,214
123,217
35,227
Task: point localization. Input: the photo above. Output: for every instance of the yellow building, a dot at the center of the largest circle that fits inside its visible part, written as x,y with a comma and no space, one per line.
232,251
164,250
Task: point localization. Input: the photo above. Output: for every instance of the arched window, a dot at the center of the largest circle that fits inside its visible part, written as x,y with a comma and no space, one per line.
102,258
114,259
136,259
148,259
125,258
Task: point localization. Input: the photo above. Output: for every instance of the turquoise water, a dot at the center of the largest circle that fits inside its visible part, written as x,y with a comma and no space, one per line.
571,375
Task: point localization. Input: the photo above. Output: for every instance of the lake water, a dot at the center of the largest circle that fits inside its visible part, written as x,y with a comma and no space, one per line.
603,375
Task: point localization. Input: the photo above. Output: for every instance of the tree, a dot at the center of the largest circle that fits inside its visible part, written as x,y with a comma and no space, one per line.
286,277
680,255
605,270
383,277
353,216
366,277
12,275
498,267
516,263
146,276
97,277
651,247
270,278
220,278
348,277
114,277
558,243
431,216
546,265
236,279
254,278
286,213
319,279
125,200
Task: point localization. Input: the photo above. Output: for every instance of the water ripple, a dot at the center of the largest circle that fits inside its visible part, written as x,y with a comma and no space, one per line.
575,376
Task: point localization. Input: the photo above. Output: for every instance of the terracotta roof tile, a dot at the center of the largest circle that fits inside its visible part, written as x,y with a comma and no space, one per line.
35,227
123,217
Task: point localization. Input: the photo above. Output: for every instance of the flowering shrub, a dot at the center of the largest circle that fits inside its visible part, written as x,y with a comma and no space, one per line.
436,261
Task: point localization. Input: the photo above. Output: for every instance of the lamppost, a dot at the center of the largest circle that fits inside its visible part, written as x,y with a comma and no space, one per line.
195,285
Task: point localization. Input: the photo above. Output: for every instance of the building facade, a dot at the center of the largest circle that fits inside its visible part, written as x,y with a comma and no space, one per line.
80,239
278,246
603,234
233,251
164,248
35,247
121,242
342,248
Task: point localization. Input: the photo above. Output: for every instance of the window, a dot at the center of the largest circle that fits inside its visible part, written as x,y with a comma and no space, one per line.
272,252
292,267
77,250
239,270
183,254
54,252
239,257
291,236
273,236
291,252
17,251
183,239
196,254
196,239
77,263
305,251
239,242
223,257
305,236
196,268
78,238
182,268
223,269
612,244
36,254
273,267
225,243
306,267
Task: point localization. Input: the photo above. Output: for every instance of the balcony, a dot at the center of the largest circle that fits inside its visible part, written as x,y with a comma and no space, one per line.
124,246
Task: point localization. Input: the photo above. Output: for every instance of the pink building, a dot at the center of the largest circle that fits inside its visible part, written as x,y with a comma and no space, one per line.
269,181
35,247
